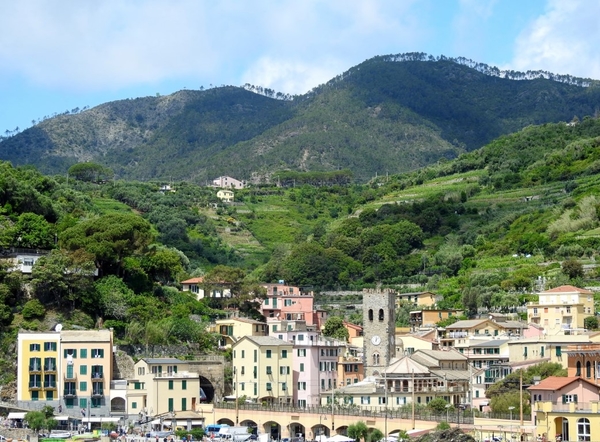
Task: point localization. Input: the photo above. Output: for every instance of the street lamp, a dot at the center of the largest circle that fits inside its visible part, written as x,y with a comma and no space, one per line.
510,409
448,412
321,418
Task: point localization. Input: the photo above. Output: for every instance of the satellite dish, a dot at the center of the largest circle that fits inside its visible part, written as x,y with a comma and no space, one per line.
58,327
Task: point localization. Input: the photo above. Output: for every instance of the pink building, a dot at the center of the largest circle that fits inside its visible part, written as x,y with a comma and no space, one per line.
564,390
289,303
314,366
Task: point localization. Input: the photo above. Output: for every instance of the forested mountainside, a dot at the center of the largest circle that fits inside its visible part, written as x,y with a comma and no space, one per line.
388,115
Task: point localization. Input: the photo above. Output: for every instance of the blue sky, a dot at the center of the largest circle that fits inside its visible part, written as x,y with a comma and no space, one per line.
56,55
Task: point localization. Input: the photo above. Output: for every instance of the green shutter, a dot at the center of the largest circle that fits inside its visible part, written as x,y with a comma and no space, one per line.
564,399
171,404
558,350
575,398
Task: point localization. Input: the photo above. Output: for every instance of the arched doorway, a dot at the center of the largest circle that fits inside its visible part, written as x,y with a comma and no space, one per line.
118,405
297,430
342,430
561,428
225,421
250,424
320,432
273,429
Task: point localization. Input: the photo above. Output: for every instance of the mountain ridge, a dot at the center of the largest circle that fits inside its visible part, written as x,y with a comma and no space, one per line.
389,114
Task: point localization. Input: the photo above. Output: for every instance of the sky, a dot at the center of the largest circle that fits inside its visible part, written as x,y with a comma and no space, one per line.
58,55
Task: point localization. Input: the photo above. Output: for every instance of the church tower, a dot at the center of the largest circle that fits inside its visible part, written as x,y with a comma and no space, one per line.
379,328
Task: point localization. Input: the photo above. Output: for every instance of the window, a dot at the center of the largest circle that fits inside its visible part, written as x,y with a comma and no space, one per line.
283,386
274,327
583,429
83,369
370,314
83,353
302,366
525,351
134,405
381,315
255,355
283,354
269,386
269,354
242,386
70,352
243,369
83,403
255,372
578,369
170,384
588,369
284,369
183,404
34,347
301,385
558,350
184,385
49,346
243,354
269,370
542,348
569,398
83,386
301,352
35,364
170,402
365,400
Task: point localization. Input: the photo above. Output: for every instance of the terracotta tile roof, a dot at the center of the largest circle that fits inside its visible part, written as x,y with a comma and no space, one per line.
193,280
568,289
554,383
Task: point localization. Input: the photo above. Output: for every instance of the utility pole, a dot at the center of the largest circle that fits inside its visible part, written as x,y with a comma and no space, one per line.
413,399
386,406
521,402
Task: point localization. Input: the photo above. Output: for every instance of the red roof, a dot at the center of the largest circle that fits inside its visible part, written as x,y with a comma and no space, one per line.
554,383
568,289
193,280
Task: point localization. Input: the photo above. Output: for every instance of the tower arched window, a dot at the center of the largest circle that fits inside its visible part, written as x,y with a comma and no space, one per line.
578,368
370,314
381,314
588,369
375,358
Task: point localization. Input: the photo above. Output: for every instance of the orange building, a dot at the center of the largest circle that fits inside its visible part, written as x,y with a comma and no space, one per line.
584,361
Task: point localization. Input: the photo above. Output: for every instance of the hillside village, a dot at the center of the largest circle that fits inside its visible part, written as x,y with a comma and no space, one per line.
287,365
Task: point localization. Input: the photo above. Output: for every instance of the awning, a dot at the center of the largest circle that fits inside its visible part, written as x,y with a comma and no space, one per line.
100,419
15,415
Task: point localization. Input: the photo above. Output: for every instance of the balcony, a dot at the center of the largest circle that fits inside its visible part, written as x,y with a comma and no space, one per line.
70,376
97,376
35,368
50,368
70,393
35,385
570,407
50,385
97,392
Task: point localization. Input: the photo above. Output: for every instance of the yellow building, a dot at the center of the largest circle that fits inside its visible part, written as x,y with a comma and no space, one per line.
233,329
70,368
38,367
427,299
531,351
562,309
162,386
407,344
262,367
225,195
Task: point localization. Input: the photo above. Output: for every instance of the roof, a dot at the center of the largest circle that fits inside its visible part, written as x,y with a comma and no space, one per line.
452,375
554,339
416,293
568,289
238,319
365,386
193,280
163,361
442,355
466,323
101,335
406,365
554,383
266,340
491,343
351,325
511,324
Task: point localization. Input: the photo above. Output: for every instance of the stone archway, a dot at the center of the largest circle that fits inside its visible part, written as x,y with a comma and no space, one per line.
207,390
118,405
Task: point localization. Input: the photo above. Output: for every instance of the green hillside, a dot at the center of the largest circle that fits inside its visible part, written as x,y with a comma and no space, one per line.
388,115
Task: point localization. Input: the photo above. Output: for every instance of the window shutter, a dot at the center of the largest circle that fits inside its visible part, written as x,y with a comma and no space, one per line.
564,399
575,398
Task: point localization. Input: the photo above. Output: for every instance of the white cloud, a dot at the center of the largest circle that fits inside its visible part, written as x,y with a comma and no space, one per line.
112,44
564,40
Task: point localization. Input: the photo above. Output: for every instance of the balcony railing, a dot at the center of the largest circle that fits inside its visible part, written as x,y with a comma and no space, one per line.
35,385
50,385
70,376
70,392
35,368
50,367
97,376
97,393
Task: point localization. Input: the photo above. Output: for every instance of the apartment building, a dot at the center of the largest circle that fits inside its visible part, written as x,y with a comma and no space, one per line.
67,368
262,367
162,386
562,310
235,328
291,303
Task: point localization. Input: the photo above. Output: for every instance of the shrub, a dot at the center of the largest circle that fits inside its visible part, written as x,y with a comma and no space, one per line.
33,309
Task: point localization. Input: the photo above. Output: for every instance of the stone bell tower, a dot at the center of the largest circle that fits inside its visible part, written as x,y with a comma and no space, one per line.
379,328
